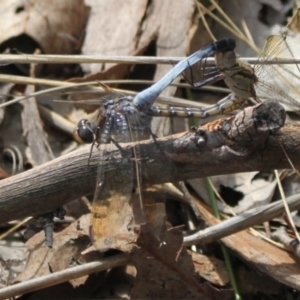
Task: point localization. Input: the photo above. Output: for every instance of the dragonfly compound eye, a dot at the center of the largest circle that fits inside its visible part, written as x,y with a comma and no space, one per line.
86,131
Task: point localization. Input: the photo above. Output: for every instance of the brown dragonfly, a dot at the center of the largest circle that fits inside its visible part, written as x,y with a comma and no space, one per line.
271,78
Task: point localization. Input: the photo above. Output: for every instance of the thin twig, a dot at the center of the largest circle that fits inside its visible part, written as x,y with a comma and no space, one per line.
63,276
242,221
71,59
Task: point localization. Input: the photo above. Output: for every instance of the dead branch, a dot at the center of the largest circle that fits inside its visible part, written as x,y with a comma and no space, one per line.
249,141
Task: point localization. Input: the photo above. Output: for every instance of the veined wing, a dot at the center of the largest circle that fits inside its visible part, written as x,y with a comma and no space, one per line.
114,213
121,121
281,81
264,81
90,99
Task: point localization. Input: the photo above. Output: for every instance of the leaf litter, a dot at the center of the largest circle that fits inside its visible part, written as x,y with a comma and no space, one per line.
164,270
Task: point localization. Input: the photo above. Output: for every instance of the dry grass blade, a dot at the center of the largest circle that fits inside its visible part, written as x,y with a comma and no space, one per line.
244,24
286,206
228,26
14,228
56,120
72,59
252,230
202,16
50,82
62,85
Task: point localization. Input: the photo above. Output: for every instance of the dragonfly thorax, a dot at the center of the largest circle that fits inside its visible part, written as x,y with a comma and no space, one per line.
119,105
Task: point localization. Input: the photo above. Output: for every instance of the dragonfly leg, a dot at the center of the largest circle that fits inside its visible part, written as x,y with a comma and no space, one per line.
44,222
117,145
154,137
92,146
152,134
215,76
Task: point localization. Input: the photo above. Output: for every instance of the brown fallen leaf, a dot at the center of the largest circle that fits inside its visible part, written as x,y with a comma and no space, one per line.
112,223
116,219
210,268
164,270
111,28
39,148
47,23
67,247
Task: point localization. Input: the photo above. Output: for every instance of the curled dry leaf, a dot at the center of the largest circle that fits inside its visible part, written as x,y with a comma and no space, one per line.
12,136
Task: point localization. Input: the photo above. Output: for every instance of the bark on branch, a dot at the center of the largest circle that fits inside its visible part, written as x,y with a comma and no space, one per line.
247,142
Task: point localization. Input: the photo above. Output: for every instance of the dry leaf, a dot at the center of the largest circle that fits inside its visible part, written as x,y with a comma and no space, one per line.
112,28
39,149
117,218
67,246
164,270
56,25
210,268
112,225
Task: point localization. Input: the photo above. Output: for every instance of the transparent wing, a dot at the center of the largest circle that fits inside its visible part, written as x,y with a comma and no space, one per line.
117,205
90,98
112,214
281,81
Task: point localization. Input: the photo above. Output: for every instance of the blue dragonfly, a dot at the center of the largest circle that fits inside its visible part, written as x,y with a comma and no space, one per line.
118,206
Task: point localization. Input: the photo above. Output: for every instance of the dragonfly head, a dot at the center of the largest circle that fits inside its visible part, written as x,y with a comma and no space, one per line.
86,131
